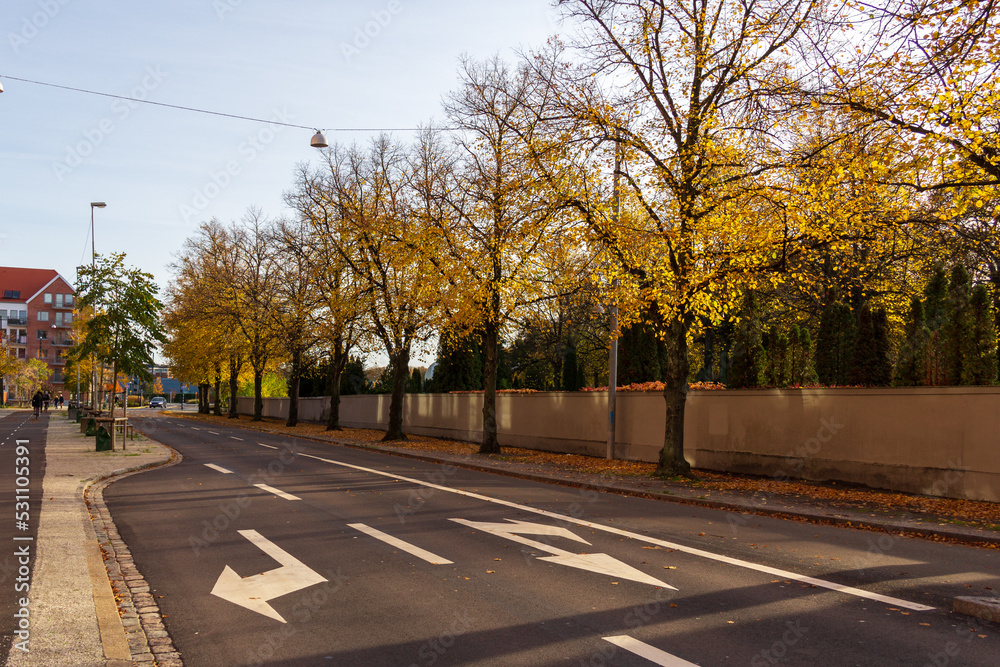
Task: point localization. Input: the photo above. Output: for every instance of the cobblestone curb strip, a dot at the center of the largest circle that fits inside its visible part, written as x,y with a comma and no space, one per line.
147,637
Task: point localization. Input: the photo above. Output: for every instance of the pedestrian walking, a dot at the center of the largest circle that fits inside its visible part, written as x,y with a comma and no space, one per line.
36,402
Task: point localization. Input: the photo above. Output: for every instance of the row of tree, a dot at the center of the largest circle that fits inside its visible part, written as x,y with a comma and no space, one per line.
667,160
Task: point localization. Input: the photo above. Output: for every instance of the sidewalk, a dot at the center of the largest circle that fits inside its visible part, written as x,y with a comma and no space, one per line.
75,618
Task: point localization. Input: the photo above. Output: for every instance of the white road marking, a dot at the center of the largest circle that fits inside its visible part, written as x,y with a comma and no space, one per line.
596,562
235,438
214,433
268,446
253,592
219,468
840,588
195,428
277,492
433,559
651,653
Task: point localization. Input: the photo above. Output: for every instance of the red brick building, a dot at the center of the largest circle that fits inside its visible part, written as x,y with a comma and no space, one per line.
36,317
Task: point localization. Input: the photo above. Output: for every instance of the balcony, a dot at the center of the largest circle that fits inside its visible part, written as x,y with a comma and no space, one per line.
58,361
17,321
62,343
17,340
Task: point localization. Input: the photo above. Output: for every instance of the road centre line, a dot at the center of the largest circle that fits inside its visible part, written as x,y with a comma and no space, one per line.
268,446
840,588
219,468
214,433
235,438
277,492
651,653
433,559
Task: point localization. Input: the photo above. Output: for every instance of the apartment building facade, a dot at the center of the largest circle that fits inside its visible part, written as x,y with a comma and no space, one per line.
36,318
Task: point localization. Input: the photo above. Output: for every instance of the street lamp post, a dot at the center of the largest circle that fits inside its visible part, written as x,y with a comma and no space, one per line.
613,351
93,267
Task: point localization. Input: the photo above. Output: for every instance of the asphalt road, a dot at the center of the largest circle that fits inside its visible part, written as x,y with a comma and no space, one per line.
350,557
22,467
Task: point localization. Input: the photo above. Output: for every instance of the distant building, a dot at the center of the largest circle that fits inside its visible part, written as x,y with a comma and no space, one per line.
36,317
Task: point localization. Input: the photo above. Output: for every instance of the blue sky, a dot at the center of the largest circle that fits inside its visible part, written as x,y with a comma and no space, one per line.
324,64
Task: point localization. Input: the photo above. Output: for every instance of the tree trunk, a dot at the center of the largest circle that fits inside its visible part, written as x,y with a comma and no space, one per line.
338,360
234,385
258,394
491,337
400,374
293,387
675,380
218,390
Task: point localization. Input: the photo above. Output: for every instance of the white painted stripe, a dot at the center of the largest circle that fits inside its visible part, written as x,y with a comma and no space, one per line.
400,544
849,590
235,438
268,446
277,492
219,468
195,428
648,652
214,433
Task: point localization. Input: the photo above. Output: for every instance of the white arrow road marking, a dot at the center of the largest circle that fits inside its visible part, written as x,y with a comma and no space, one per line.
253,592
433,559
651,653
277,492
785,574
219,468
600,563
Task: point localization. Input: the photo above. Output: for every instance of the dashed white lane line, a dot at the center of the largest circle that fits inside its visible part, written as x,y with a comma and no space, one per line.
214,433
277,492
268,446
195,428
219,468
651,653
785,574
414,550
235,438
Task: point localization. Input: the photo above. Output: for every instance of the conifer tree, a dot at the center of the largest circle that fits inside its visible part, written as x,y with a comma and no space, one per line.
912,364
834,344
957,328
981,345
747,367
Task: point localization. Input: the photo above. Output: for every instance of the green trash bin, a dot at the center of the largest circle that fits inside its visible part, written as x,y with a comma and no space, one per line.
103,440
91,427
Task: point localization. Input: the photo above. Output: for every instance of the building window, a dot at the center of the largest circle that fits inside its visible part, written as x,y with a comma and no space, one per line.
59,319
48,298
68,300
68,319
43,316
43,354
59,300
42,334
12,294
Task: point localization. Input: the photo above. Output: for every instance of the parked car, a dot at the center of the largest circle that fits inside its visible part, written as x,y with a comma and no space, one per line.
157,402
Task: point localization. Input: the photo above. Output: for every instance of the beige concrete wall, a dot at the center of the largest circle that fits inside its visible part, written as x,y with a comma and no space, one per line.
940,441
